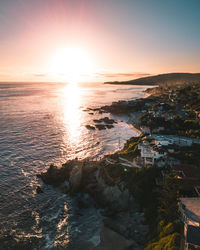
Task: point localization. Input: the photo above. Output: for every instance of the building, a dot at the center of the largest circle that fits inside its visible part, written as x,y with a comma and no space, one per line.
190,214
188,178
186,172
150,152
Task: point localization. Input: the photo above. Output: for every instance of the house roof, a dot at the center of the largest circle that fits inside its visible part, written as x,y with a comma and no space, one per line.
193,235
188,171
192,209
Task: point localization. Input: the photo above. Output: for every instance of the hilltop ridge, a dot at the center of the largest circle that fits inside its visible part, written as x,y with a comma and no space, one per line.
163,79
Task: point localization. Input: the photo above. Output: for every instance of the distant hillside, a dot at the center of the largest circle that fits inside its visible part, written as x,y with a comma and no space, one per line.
163,79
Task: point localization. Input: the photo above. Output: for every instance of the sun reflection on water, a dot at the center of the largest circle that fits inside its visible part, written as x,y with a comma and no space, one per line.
71,112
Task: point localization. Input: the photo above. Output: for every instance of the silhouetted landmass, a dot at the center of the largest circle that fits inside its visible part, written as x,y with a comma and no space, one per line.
163,79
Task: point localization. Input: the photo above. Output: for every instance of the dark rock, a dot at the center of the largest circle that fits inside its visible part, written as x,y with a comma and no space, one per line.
39,190
90,127
82,204
84,201
107,120
112,240
100,126
56,176
65,187
75,178
114,225
109,126
97,121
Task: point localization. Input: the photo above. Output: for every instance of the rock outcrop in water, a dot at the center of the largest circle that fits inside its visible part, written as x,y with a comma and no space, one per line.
104,183
109,188
102,124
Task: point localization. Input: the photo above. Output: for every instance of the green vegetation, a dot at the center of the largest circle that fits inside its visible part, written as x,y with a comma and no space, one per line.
170,242
175,126
130,150
188,155
143,185
160,208
167,235
168,202
152,122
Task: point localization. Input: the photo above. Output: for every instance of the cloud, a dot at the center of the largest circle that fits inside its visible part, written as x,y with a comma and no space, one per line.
134,75
40,75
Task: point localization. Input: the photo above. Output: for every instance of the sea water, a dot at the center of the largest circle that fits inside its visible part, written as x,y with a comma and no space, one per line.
41,124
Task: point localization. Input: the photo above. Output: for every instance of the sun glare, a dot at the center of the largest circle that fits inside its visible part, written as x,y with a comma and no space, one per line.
72,64
71,113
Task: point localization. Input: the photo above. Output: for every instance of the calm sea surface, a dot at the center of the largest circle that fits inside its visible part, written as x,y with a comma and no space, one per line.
40,124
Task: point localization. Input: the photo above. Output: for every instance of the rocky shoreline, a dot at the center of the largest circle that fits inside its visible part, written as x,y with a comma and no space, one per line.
108,187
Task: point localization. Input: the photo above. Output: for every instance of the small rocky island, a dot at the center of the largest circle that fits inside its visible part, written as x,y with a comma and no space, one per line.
102,124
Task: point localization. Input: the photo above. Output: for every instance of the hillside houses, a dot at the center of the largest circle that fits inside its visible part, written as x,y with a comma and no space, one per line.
155,148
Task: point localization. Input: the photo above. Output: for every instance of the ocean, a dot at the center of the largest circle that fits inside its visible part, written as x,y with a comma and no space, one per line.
41,124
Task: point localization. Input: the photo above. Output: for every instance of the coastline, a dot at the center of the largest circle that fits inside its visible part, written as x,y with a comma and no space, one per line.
109,189
119,189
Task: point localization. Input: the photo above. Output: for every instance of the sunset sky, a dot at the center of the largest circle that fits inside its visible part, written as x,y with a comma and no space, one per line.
103,39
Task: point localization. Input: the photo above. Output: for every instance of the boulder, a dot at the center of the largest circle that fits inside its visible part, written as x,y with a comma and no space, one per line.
109,126
90,127
76,177
56,176
100,126
52,176
108,120
97,121
110,240
84,201
39,190
65,186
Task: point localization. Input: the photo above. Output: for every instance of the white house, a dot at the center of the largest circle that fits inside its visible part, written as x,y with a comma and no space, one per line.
150,152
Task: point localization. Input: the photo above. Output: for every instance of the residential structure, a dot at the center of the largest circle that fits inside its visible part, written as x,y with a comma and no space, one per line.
190,212
150,152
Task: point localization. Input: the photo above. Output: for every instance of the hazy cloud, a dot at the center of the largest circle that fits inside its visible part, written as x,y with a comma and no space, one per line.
135,74
40,75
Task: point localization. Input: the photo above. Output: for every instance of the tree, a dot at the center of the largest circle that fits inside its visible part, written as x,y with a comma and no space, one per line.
168,202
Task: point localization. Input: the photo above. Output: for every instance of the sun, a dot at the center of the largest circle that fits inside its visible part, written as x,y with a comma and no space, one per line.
72,64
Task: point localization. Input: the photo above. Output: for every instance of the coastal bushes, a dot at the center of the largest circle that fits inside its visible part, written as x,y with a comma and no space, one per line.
169,225
188,155
168,201
170,242
144,191
160,208
130,150
175,126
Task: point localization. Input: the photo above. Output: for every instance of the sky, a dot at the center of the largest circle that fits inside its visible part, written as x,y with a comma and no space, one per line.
121,39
